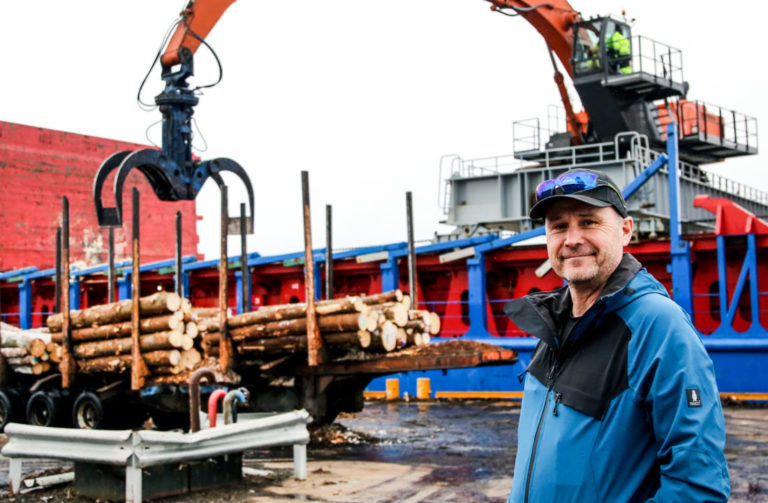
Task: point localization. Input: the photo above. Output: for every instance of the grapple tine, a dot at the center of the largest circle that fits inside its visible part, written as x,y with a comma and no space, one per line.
150,162
221,164
107,217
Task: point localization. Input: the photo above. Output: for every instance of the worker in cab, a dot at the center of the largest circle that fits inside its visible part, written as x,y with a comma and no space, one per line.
619,52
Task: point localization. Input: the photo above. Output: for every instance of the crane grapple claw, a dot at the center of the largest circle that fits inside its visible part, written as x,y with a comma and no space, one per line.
168,180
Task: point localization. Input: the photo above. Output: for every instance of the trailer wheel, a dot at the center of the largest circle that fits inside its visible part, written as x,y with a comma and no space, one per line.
10,408
88,411
43,408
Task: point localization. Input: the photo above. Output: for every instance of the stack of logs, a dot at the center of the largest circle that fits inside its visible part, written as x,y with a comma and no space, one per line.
382,323
173,333
26,351
101,335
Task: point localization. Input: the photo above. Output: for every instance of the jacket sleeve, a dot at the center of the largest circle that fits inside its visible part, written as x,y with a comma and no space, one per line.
675,379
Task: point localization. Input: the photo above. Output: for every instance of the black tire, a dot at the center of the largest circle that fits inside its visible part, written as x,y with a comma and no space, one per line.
43,408
11,408
88,412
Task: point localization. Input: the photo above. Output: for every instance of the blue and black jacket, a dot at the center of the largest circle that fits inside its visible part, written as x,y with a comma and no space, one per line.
621,405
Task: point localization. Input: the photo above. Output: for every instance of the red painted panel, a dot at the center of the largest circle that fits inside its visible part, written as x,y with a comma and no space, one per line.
38,166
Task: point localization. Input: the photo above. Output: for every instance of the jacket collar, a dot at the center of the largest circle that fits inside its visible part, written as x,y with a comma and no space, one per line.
542,313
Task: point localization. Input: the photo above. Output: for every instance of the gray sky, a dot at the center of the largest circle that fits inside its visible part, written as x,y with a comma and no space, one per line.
366,96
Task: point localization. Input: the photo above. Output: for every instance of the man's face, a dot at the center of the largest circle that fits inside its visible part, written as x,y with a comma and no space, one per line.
585,243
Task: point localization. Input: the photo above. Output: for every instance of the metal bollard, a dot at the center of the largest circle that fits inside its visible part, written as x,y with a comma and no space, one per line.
229,403
194,396
300,461
423,391
213,401
393,389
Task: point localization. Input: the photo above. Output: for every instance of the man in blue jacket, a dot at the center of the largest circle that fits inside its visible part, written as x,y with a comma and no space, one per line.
620,402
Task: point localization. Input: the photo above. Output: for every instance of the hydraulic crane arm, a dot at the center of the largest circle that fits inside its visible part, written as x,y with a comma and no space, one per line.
553,19
172,171
198,19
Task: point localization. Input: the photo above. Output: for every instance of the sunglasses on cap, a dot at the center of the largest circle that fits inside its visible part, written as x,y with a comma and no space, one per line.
570,183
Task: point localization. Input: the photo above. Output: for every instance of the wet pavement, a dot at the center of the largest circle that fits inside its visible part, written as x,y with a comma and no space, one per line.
429,452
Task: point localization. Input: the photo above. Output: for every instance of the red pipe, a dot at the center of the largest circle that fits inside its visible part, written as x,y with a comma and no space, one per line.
212,406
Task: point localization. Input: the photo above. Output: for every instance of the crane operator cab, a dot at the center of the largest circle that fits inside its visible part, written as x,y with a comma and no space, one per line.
619,77
600,45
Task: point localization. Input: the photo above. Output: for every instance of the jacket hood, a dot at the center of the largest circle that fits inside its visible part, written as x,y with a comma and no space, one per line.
541,313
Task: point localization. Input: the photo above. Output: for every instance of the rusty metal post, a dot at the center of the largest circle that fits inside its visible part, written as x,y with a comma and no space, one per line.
245,279
412,279
226,357
314,341
57,291
328,253
67,365
179,287
138,366
111,265
194,396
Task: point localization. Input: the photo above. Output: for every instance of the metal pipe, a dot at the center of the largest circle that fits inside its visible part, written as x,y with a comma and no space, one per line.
111,264
230,415
412,280
245,299
179,286
328,252
138,367
67,365
213,401
225,343
57,291
314,342
194,396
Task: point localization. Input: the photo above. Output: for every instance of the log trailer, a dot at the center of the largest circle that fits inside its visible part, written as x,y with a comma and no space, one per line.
630,94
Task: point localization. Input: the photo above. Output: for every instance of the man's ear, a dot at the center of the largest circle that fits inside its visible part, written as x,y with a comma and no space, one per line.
627,226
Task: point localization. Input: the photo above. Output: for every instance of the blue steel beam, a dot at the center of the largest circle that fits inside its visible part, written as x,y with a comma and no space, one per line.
447,245
24,271
25,304
239,281
679,250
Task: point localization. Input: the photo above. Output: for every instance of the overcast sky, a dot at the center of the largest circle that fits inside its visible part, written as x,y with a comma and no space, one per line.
366,96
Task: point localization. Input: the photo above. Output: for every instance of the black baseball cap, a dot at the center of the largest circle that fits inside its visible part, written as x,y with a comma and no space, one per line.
588,186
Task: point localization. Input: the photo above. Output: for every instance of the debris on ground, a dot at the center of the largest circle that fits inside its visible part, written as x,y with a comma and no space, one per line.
325,435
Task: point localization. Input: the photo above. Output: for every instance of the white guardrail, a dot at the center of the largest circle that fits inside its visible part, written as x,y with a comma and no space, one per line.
139,449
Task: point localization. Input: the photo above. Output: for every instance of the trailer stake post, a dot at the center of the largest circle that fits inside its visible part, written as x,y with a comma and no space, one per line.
412,279
57,290
67,365
245,279
314,341
138,366
328,252
111,265
226,357
179,285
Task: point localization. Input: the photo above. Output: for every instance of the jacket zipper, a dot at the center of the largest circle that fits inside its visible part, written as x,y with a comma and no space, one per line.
535,445
558,396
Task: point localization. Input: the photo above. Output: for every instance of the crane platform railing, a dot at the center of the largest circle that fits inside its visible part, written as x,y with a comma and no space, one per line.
637,156
712,123
708,179
657,59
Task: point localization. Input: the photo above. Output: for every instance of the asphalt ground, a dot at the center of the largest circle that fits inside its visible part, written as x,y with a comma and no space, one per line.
421,452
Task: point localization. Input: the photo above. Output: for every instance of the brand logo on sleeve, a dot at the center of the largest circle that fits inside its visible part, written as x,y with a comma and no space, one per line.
694,398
